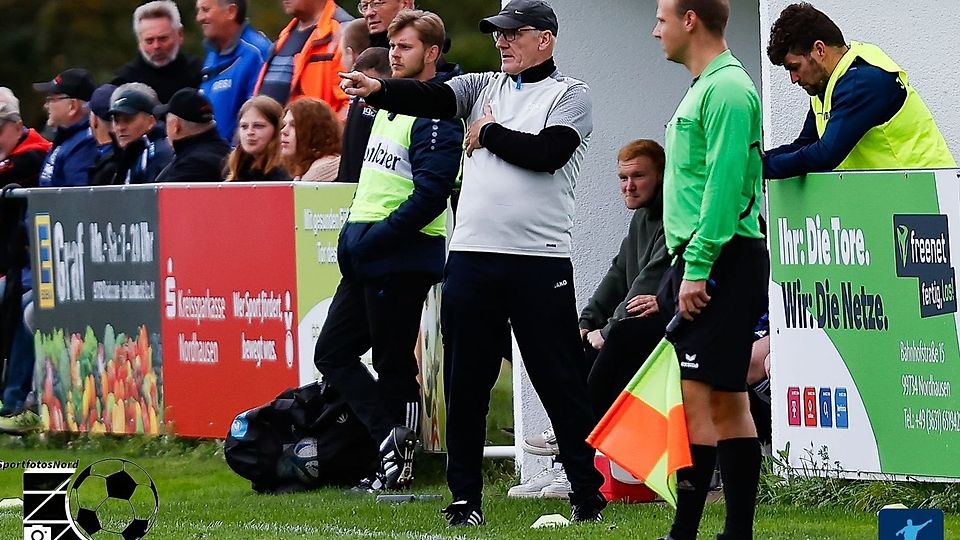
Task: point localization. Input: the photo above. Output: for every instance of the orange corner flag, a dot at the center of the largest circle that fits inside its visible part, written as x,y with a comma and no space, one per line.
645,431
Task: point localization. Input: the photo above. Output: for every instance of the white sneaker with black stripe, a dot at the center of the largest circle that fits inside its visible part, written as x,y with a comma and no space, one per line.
463,514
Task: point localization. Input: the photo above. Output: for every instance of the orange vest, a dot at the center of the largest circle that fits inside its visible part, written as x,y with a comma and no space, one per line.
316,66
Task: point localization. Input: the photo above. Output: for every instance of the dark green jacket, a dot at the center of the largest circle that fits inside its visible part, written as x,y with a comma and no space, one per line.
636,269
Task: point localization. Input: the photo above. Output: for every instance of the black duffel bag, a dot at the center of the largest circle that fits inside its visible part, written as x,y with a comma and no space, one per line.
304,439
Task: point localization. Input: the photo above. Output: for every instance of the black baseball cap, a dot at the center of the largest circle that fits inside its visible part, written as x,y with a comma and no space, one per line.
131,102
75,83
100,101
189,104
519,13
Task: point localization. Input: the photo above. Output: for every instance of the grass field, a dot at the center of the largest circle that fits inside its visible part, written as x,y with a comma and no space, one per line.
201,498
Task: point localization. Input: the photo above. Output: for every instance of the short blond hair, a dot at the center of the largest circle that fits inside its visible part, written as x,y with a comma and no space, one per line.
428,25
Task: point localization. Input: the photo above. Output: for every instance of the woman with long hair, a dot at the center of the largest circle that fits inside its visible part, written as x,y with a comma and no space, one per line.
310,141
257,157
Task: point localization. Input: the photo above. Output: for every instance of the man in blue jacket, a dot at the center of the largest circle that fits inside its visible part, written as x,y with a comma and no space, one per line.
232,63
74,148
391,251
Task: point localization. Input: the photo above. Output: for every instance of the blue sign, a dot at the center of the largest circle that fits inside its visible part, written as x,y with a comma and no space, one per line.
911,525
840,406
826,408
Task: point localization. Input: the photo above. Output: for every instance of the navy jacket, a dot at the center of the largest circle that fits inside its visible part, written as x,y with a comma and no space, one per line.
396,244
73,153
142,160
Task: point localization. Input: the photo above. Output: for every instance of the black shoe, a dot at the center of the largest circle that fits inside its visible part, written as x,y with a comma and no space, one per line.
396,460
463,514
588,511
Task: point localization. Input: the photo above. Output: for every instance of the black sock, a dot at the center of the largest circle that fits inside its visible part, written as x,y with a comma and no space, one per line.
740,469
692,486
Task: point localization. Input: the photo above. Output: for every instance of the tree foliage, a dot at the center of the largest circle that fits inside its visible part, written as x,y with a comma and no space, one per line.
40,38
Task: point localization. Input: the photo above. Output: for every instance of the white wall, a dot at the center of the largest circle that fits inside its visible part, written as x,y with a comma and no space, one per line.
608,44
921,36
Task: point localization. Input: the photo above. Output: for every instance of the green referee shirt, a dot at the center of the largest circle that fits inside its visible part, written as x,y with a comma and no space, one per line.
712,182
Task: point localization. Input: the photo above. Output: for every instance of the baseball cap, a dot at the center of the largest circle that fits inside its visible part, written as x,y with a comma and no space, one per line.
519,13
189,104
100,101
132,102
74,82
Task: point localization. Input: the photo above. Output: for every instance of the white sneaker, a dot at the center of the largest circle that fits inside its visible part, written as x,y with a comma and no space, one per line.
544,444
531,488
559,488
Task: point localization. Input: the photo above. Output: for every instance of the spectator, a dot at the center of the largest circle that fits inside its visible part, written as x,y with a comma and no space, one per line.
310,141
144,148
356,39
718,283
22,149
161,65
864,113
392,251
510,251
17,413
232,65
257,156
306,57
74,149
199,150
21,155
104,168
379,14
373,62
620,325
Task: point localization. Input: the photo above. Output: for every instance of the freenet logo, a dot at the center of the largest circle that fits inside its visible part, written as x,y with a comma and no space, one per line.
896,524
922,248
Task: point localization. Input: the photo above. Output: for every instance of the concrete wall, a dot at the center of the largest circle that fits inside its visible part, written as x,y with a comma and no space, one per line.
608,44
921,36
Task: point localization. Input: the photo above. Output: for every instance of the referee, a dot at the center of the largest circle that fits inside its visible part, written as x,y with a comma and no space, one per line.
510,250
712,185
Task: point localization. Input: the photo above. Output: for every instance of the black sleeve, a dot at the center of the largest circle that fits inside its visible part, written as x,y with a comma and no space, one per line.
415,98
546,151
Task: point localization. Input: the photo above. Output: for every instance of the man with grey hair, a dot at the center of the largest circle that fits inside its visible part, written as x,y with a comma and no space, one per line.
144,148
160,64
74,148
232,63
200,151
22,149
529,127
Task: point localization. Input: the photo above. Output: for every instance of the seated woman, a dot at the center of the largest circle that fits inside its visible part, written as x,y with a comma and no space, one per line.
257,158
310,141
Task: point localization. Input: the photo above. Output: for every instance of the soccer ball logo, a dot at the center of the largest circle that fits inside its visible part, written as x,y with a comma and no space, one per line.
113,499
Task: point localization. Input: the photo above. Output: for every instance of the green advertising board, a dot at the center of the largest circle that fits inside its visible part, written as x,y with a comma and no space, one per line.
320,210
864,326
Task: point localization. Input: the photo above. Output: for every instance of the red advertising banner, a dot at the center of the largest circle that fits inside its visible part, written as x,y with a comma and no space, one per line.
228,302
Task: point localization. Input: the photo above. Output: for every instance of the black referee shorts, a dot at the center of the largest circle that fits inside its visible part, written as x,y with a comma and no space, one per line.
715,347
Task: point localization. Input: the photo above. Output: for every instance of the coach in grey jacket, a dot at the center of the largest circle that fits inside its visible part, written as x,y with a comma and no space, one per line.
510,250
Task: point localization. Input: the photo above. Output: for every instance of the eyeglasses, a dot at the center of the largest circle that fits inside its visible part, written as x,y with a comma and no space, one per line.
376,5
511,35
51,99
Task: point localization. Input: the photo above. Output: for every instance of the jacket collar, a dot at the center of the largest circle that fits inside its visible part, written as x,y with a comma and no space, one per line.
211,135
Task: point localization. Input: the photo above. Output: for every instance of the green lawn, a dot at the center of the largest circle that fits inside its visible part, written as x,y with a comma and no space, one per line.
201,498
